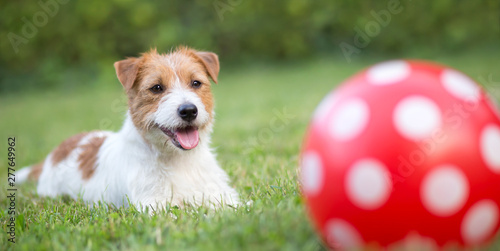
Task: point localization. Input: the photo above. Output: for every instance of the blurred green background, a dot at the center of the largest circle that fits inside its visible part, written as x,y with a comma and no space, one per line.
57,79
70,43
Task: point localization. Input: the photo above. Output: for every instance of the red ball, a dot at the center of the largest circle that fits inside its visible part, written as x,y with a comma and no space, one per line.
404,150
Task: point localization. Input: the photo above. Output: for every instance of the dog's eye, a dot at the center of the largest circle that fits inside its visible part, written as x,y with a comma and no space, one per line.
156,88
196,84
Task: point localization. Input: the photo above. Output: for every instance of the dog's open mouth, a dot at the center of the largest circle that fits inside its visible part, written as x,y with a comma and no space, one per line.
185,138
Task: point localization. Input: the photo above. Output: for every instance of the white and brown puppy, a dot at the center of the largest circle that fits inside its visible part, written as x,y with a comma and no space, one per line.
161,155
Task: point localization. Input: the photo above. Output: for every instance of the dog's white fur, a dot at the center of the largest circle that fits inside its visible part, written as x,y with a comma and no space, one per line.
145,169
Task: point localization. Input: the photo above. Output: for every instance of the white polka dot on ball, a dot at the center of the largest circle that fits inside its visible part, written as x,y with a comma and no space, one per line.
340,234
479,222
417,117
387,73
444,191
490,147
460,86
312,173
324,107
349,120
368,184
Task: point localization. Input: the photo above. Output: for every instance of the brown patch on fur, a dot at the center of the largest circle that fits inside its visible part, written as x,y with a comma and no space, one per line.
66,147
142,102
206,98
36,170
191,69
88,156
126,70
211,62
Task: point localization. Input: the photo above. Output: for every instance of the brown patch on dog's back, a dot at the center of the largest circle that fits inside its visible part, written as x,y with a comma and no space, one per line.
66,147
88,156
36,170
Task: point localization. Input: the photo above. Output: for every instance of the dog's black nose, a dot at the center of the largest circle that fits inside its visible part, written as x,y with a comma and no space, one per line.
187,112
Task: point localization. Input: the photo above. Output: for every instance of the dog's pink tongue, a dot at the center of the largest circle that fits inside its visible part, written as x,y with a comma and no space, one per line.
188,138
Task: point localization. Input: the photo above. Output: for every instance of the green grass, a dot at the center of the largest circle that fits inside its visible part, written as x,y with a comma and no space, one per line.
247,99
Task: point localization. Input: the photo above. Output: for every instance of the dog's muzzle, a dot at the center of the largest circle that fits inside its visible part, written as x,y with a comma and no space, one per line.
184,137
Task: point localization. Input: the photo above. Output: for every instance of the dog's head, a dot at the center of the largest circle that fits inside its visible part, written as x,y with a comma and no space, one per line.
169,95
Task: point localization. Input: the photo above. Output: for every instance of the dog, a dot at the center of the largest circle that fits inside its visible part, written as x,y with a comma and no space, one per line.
161,155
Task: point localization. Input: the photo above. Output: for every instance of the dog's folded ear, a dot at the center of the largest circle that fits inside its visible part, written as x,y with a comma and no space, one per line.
211,62
126,70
